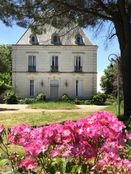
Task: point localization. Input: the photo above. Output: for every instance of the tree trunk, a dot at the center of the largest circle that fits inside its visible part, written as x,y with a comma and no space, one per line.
126,72
123,31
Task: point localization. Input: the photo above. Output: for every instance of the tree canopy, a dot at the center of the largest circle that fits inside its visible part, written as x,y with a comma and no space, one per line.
5,58
109,81
83,12
5,69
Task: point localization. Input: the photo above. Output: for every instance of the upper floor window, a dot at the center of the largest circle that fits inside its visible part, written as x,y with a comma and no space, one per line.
33,39
56,39
31,63
54,64
78,63
79,40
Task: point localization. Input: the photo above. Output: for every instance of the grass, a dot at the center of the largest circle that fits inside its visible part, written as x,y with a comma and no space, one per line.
53,105
33,119
43,118
37,119
113,109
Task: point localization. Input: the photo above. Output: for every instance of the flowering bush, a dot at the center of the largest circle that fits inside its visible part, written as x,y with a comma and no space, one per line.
95,145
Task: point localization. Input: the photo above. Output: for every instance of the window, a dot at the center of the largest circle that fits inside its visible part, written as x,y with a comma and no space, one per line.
33,39
54,64
55,39
31,88
79,40
76,88
79,88
32,63
78,64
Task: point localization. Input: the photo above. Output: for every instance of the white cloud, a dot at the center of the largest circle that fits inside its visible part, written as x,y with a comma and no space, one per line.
99,75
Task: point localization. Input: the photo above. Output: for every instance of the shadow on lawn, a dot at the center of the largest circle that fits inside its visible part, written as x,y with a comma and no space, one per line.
5,109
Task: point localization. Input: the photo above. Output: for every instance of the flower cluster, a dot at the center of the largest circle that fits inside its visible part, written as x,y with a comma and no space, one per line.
96,138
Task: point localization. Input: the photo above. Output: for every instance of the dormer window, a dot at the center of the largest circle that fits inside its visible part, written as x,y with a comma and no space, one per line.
56,39
33,39
79,40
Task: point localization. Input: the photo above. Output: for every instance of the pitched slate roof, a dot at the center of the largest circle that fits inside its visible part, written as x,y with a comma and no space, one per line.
67,37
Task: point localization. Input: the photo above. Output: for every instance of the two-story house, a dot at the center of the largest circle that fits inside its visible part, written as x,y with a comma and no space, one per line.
56,63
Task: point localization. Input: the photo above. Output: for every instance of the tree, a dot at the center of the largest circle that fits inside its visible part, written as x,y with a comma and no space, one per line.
5,68
109,81
5,58
84,13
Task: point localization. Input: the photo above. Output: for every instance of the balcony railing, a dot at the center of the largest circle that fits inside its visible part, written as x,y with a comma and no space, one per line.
31,68
54,68
78,68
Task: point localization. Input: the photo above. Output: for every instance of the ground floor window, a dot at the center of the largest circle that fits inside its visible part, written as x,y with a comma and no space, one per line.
76,88
79,88
31,88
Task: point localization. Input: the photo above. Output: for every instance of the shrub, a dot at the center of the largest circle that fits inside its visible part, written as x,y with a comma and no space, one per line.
3,87
64,98
110,99
99,99
95,144
27,100
87,102
77,101
10,98
41,97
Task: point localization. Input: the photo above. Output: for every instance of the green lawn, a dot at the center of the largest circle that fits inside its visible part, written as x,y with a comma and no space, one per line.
43,118
53,105
113,109
37,119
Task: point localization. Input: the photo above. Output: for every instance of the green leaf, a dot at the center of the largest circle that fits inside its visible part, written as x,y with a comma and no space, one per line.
4,161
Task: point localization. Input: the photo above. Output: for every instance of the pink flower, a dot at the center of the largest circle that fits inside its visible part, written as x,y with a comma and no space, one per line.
2,128
54,153
66,153
128,135
28,164
20,134
35,147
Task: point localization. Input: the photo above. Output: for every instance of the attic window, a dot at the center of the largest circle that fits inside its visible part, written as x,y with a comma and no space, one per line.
79,40
33,39
55,39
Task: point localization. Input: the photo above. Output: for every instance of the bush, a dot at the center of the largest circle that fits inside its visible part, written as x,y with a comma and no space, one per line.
96,144
10,98
77,101
41,97
64,98
27,100
99,99
110,99
87,102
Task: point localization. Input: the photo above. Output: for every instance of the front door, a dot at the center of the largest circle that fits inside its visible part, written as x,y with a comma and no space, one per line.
80,88
54,89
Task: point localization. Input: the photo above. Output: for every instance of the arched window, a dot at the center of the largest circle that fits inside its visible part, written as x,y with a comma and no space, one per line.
55,39
33,39
79,40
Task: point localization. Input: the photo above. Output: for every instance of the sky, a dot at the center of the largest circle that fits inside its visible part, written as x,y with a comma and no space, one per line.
10,35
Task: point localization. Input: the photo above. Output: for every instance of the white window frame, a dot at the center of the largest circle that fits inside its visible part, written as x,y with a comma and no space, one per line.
32,88
32,60
80,59
54,62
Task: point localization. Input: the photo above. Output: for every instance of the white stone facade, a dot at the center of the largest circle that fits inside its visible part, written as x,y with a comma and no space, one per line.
66,80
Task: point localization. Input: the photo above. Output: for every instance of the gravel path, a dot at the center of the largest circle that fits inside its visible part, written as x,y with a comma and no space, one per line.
18,108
